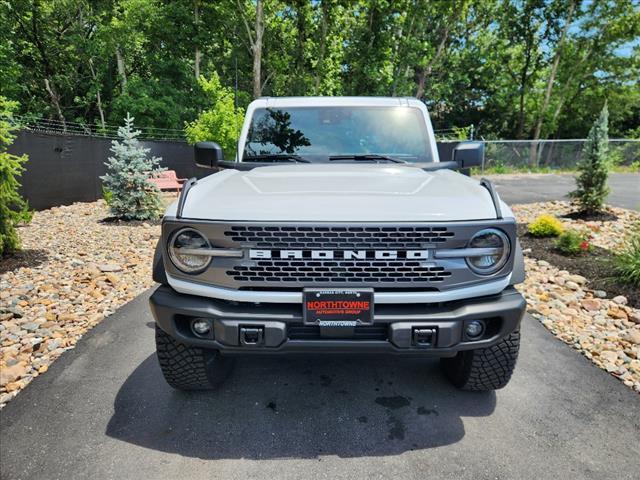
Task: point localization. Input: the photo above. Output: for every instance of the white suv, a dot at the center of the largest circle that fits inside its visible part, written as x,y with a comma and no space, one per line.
337,228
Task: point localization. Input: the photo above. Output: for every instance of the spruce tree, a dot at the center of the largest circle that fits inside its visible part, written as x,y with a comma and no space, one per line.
133,197
13,208
594,168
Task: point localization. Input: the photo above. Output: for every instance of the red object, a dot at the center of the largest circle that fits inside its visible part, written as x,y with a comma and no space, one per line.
584,246
168,180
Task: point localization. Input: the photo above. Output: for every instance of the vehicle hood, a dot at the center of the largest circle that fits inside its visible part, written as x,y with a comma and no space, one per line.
337,193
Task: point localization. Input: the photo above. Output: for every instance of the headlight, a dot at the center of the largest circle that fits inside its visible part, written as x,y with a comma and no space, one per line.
497,249
183,247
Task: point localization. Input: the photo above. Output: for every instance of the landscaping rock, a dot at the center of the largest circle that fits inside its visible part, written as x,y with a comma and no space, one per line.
579,279
620,300
591,304
90,269
604,331
9,374
632,336
109,268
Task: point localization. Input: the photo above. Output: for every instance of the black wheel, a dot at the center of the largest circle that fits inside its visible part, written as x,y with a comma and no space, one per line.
189,368
484,368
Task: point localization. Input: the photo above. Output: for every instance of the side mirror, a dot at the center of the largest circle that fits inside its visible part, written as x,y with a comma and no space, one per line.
469,154
208,154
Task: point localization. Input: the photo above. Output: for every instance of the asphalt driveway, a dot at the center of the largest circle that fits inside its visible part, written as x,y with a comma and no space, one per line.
625,188
104,411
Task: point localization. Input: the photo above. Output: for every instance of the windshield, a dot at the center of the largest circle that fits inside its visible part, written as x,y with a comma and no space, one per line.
324,133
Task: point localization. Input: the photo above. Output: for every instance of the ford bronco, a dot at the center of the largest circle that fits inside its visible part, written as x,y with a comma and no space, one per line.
337,228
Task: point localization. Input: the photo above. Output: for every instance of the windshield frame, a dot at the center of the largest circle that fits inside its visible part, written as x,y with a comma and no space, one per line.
264,104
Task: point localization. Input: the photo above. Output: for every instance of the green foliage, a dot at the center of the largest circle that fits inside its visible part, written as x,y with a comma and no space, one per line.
627,262
13,208
545,226
573,242
132,197
594,167
481,62
107,196
221,122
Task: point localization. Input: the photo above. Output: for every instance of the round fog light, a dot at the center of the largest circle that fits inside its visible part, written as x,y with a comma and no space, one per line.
200,326
474,329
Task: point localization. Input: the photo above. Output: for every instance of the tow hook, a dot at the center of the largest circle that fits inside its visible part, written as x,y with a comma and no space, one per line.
424,337
251,336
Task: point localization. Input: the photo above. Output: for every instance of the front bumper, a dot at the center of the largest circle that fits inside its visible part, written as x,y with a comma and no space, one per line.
282,329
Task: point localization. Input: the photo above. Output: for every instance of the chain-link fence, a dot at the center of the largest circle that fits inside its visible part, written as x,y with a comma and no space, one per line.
552,154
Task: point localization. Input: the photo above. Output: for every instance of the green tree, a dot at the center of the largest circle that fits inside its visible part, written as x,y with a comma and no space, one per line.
221,122
594,167
13,208
133,196
513,68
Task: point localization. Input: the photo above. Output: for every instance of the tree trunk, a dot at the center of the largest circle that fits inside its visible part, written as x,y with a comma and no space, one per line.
552,74
523,90
323,45
257,50
198,55
550,80
98,97
422,78
122,73
55,101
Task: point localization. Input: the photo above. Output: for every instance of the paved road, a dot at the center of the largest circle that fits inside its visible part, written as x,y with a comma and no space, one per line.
625,188
104,411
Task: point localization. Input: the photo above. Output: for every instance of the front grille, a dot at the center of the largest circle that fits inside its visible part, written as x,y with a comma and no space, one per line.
298,331
317,255
336,271
397,237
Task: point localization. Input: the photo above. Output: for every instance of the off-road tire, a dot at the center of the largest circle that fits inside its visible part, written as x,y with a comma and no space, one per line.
190,368
484,368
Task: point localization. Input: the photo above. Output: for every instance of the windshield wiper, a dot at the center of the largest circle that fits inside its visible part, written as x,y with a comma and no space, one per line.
276,157
366,157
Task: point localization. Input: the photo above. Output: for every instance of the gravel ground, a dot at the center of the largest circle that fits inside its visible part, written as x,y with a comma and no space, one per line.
605,330
609,235
76,270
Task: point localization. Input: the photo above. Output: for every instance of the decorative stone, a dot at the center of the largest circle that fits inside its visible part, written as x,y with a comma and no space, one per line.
14,372
591,304
632,336
110,268
620,300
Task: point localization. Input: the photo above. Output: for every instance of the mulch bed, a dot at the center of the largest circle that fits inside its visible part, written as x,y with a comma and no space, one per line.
596,266
604,216
29,258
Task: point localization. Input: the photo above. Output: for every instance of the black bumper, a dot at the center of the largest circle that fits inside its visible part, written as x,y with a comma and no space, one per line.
282,330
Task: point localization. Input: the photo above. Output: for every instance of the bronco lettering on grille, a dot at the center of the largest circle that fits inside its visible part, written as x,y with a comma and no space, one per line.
256,254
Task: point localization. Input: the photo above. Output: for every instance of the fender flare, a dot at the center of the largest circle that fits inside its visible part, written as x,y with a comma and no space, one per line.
518,273
159,274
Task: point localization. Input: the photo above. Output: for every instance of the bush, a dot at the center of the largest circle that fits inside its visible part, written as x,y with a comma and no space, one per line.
220,123
545,226
594,168
573,242
13,208
107,196
132,195
627,262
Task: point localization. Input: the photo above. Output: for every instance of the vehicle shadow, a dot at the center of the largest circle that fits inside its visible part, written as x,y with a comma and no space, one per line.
298,407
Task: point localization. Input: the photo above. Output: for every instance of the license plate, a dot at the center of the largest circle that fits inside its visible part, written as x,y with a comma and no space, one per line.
335,307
